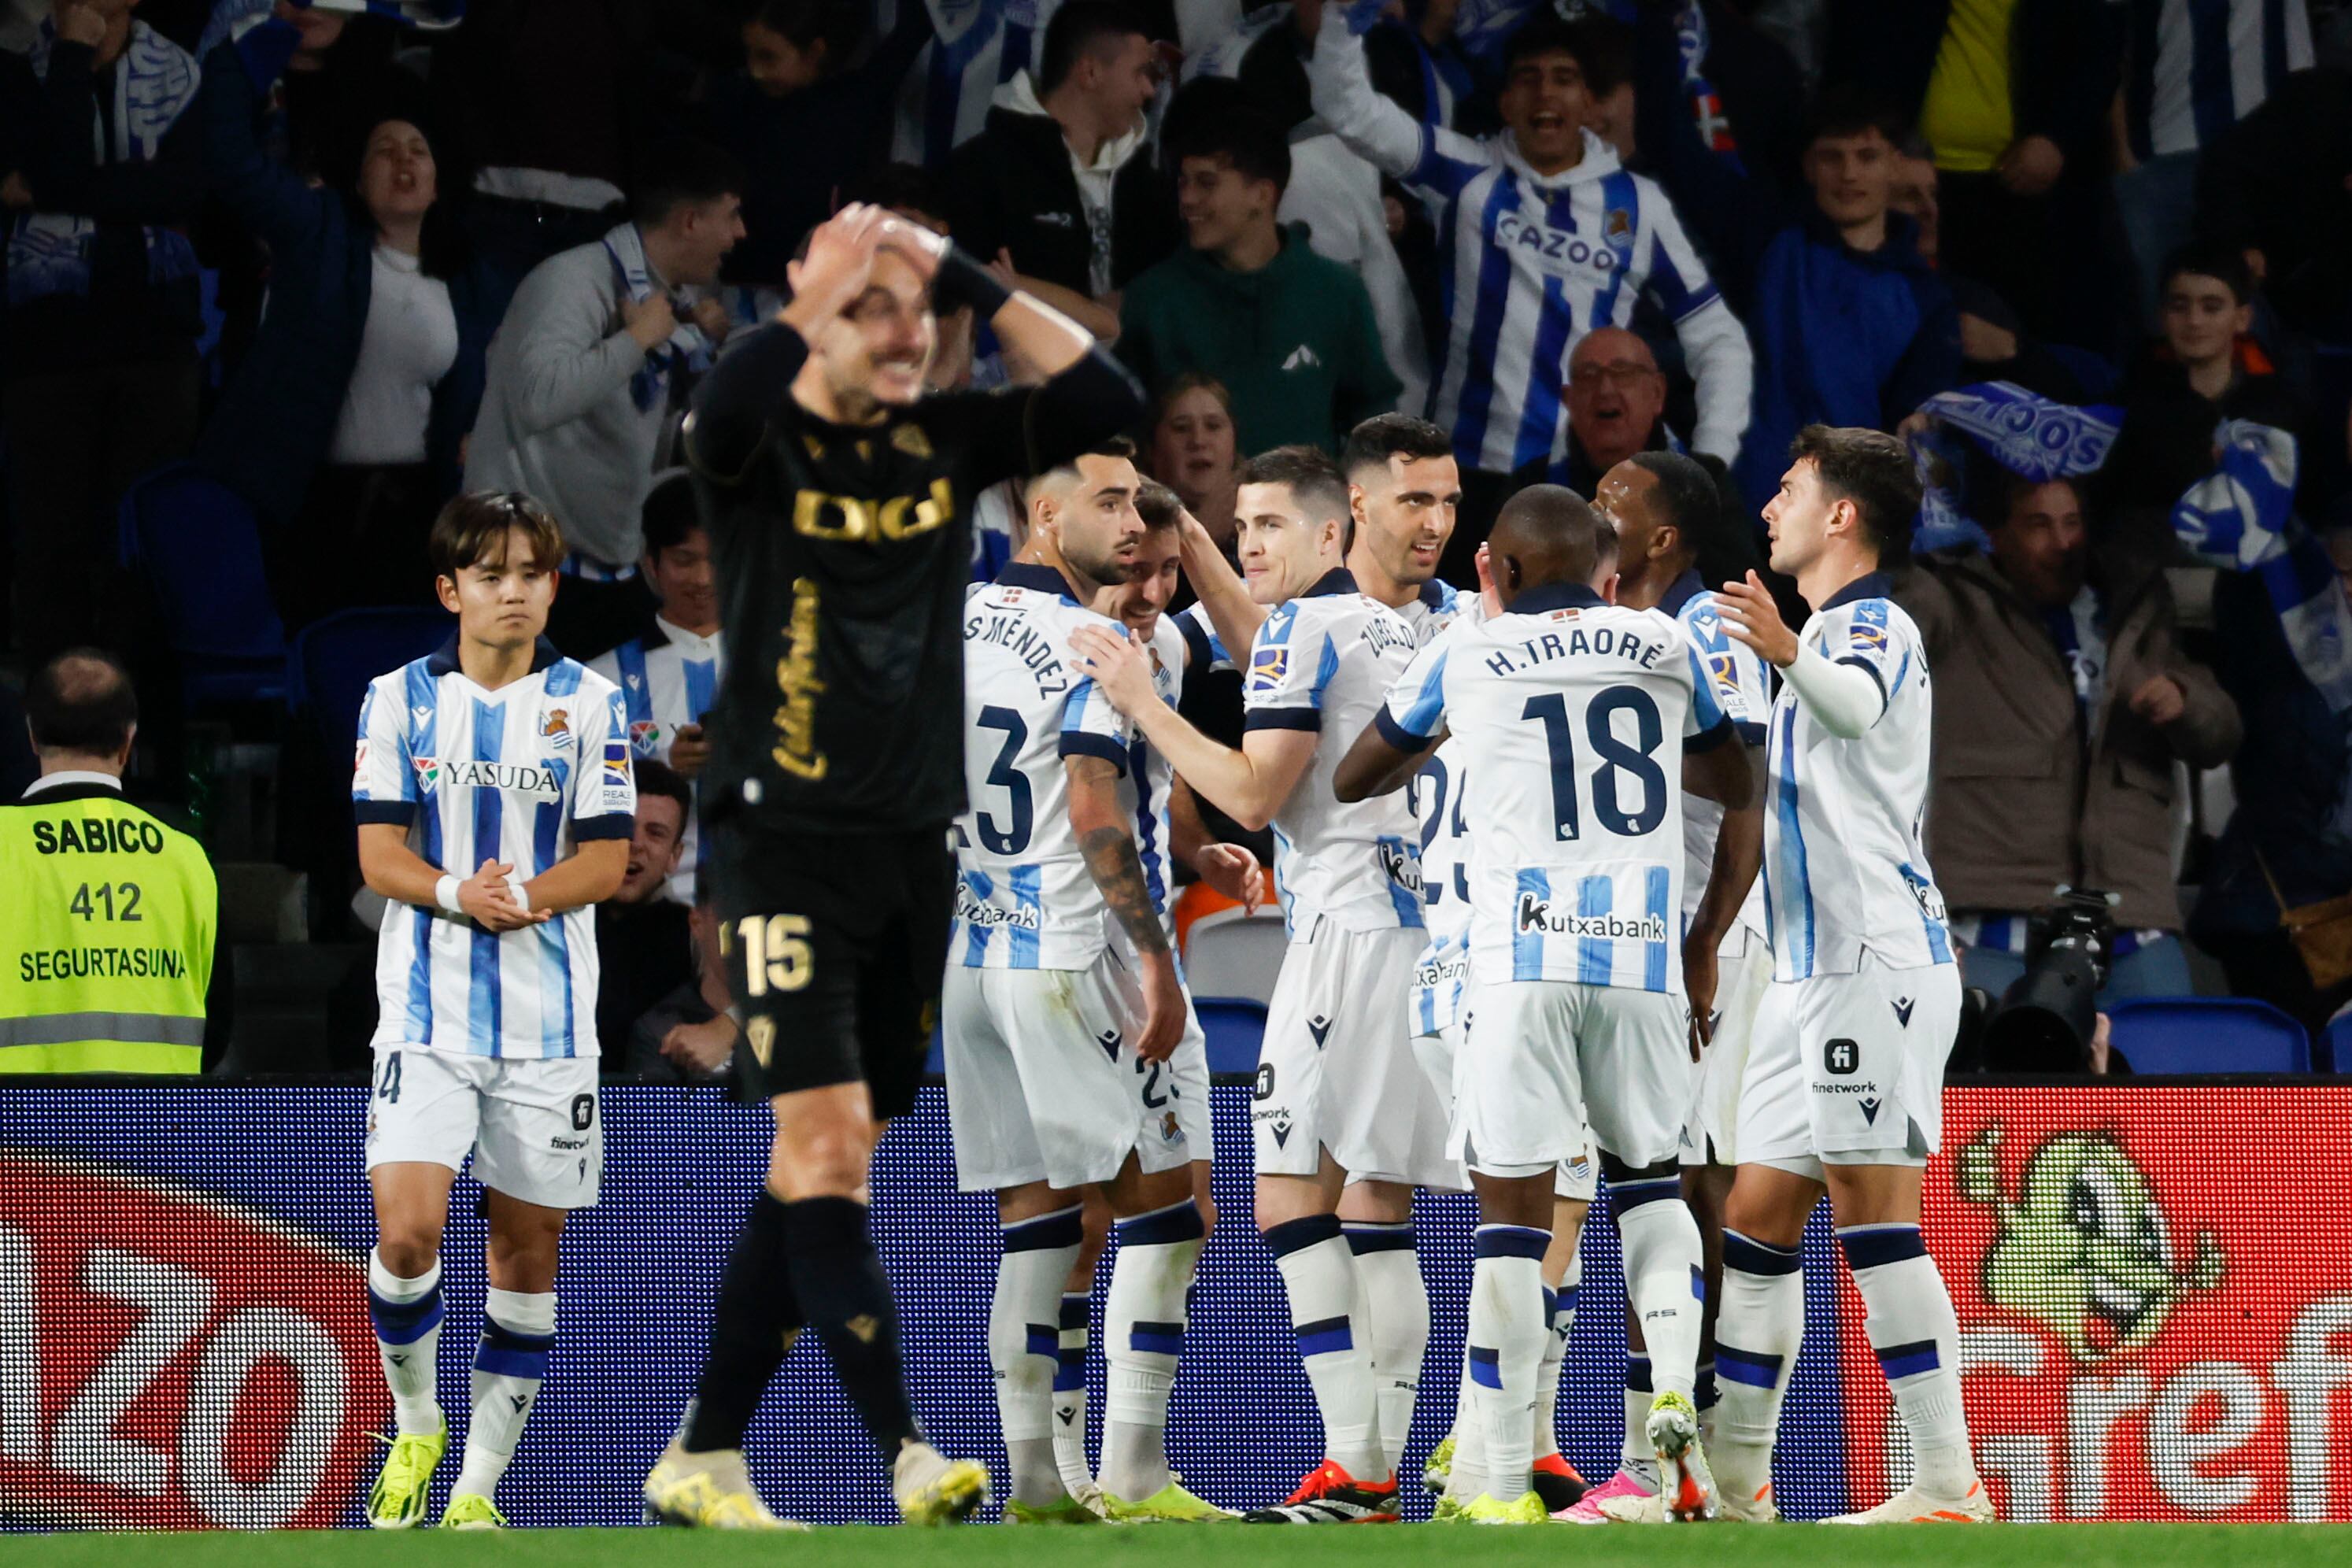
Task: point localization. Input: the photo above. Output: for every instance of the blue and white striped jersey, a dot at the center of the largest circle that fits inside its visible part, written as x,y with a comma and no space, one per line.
1845,868
2197,67
1570,716
1025,899
667,678
522,776
1743,690
1436,797
976,46
1530,263
1322,662
1151,778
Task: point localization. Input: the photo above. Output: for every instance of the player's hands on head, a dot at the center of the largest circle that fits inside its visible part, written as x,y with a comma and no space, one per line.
490,901
923,248
1164,1009
1750,616
1118,666
839,261
650,320
1233,870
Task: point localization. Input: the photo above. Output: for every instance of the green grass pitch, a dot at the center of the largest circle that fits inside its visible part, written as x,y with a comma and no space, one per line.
1232,1546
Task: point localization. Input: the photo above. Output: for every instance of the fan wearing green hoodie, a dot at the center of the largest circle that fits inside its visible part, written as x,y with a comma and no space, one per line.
1290,335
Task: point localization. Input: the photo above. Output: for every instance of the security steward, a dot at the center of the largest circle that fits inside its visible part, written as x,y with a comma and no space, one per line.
107,916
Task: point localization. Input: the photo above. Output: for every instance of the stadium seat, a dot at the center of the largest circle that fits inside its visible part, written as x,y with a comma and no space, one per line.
334,659
1229,953
2334,1045
1235,1026
2170,1034
198,545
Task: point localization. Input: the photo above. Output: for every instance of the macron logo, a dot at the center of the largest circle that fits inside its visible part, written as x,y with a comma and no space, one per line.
1903,1011
1302,358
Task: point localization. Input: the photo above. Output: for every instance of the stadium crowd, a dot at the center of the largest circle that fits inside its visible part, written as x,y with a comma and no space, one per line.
284,279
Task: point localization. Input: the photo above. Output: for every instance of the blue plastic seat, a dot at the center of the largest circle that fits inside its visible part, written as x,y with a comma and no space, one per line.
1235,1027
334,659
2336,1046
2173,1035
198,543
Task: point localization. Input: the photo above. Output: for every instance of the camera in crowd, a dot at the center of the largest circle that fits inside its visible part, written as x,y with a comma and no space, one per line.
2044,1022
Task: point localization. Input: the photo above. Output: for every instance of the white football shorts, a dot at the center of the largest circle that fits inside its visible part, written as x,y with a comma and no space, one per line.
534,1127
1743,974
1578,1177
1337,1069
1043,1084
1849,1069
1543,1061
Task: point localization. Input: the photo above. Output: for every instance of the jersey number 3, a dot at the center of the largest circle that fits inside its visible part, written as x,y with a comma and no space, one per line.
1618,761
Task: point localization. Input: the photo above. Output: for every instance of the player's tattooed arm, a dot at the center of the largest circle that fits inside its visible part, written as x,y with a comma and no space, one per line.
1108,843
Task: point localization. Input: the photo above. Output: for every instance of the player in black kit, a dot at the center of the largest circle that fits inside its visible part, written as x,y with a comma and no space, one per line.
837,495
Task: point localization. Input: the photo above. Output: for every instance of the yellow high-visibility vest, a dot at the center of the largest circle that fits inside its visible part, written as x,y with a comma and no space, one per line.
107,925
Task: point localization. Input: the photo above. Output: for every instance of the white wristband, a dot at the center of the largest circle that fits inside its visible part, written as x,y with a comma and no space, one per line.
445,893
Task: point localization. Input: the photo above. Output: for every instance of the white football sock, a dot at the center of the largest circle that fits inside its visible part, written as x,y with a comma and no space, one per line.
1398,1333
1070,1395
408,1317
517,1332
1025,1342
1505,1347
1143,1322
1757,1332
1326,1308
1563,1320
1661,1276
1635,1457
1917,1336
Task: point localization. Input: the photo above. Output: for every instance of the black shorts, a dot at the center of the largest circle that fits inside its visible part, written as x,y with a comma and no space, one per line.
835,949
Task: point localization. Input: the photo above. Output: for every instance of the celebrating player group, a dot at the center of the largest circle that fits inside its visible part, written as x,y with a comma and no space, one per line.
1596,870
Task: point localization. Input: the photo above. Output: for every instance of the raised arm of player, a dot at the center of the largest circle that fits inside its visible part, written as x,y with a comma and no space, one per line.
1224,596
1249,785
1409,724
1845,699
1106,836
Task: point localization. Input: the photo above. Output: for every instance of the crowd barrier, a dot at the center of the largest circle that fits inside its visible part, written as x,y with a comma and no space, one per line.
2154,1284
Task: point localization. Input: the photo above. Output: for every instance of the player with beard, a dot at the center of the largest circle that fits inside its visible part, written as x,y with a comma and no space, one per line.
838,494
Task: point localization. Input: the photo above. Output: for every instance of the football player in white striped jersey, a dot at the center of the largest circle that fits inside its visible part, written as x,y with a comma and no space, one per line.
1674,536
1845,1085
500,754
1574,718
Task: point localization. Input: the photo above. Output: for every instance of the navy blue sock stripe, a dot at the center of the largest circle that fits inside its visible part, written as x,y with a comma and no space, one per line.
1325,1335
1698,1284
1044,1339
1177,1223
1909,1360
497,1333
1551,1304
406,1322
1513,1241
1156,1339
1876,1245
1298,1234
1637,1374
501,1360
1567,1298
1626,1196
1486,1366
1755,1369
1749,1256
1076,1311
1063,1228
1368,1238
1070,1372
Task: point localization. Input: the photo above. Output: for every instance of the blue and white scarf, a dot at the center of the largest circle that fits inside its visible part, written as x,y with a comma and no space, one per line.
687,349
154,82
2025,433
2240,518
